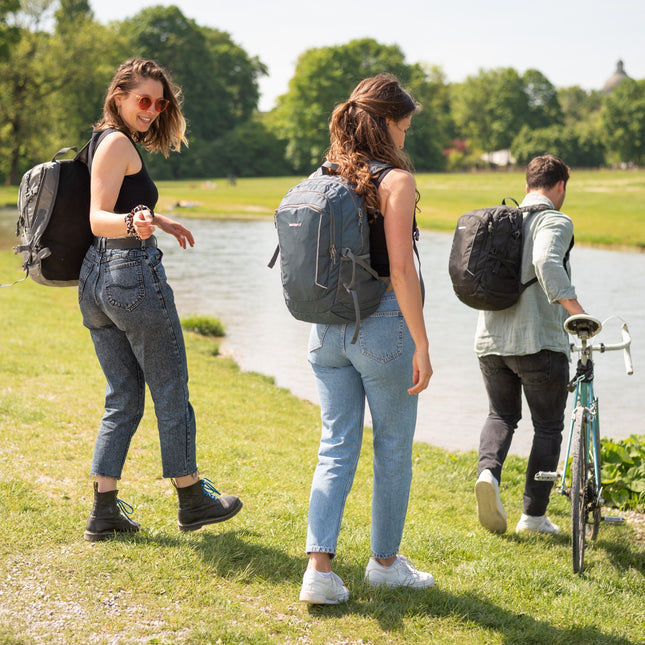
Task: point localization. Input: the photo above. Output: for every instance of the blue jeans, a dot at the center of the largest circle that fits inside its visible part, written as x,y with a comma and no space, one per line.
130,311
379,367
543,377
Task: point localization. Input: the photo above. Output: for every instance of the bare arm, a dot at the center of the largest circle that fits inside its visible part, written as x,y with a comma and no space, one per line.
397,198
572,306
115,158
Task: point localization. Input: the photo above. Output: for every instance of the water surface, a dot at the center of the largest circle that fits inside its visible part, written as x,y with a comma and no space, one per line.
226,275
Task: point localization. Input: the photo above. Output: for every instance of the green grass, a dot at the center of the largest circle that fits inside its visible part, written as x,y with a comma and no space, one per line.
606,205
238,582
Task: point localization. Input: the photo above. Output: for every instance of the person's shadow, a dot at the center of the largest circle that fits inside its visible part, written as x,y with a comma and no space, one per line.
230,554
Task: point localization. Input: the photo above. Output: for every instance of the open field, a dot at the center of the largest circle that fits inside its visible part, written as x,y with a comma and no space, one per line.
607,206
238,582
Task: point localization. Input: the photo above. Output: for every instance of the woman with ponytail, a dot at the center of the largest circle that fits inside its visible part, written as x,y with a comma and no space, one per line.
389,365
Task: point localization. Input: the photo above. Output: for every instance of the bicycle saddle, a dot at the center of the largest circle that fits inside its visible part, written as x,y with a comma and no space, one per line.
582,325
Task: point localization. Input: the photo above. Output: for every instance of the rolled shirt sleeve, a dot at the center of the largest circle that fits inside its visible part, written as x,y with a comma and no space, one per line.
551,241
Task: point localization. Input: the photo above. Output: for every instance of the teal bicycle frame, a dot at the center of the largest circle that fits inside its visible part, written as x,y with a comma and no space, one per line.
581,478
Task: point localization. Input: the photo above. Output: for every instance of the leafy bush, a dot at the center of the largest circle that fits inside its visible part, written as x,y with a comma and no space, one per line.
204,325
623,472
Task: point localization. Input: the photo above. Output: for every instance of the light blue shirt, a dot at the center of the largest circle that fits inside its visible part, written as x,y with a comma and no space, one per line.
535,322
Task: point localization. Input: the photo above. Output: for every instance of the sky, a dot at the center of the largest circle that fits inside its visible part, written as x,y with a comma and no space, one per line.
572,42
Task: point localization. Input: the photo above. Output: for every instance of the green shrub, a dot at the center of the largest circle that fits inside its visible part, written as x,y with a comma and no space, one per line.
204,325
623,472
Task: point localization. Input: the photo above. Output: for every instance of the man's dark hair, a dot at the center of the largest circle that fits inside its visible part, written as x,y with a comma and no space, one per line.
545,172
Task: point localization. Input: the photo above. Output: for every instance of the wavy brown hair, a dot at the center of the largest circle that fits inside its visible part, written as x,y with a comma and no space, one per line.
359,133
167,131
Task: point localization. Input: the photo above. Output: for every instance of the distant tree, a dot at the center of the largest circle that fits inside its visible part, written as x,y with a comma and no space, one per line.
543,104
578,104
52,84
623,118
432,126
9,34
323,78
576,147
218,79
71,14
489,109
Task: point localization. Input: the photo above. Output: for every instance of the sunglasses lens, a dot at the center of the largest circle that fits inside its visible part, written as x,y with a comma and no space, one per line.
144,102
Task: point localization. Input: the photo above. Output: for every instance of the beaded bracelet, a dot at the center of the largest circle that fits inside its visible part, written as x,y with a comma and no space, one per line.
129,217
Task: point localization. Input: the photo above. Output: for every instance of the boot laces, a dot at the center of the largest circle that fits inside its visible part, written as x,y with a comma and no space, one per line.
209,488
124,507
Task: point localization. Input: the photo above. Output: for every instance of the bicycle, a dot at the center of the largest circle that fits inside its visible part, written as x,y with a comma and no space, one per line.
584,487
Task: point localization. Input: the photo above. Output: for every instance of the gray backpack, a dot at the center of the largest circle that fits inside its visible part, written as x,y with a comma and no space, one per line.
323,243
54,219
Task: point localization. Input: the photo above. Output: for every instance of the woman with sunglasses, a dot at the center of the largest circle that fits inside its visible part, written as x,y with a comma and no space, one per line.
129,307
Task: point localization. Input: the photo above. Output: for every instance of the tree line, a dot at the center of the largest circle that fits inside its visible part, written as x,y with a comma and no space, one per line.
56,62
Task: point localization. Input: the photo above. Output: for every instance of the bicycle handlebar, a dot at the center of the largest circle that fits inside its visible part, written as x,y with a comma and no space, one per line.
601,347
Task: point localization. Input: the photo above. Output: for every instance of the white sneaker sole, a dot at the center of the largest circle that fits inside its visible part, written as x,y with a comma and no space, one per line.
488,511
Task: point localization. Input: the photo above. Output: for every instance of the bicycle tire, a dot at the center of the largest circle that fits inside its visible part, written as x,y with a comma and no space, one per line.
578,493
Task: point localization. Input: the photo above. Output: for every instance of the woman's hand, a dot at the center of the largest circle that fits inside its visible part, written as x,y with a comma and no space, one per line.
142,223
421,371
180,232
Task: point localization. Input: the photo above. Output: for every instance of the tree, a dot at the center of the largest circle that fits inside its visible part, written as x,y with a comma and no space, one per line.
489,109
623,117
543,105
9,34
576,147
218,79
432,127
323,78
578,105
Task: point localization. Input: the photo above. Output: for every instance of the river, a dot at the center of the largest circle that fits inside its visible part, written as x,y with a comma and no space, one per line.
226,275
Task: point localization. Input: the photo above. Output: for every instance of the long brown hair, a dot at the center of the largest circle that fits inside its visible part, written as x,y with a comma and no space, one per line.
359,132
167,131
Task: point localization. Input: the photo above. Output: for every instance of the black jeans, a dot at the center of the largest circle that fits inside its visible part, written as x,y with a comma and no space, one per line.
543,377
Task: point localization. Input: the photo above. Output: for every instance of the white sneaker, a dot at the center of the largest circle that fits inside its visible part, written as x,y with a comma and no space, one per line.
539,524
322,590
402,573
490,510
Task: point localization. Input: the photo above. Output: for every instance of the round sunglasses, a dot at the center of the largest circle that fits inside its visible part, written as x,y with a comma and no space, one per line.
144,103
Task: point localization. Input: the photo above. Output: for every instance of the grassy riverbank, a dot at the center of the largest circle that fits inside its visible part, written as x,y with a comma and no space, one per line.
238,582
606,205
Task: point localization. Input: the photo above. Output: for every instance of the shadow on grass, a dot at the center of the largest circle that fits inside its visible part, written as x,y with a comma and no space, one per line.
467,611
239,555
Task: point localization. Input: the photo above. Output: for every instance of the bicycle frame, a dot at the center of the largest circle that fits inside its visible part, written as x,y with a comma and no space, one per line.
584,398
583,485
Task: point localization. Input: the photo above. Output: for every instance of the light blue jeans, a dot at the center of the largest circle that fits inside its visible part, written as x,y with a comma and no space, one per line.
377,367
130,311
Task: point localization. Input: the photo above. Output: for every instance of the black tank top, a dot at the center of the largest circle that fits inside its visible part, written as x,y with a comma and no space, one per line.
379,258
136,189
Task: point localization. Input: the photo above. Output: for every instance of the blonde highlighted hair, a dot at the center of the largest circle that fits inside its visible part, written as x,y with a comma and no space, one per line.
168,130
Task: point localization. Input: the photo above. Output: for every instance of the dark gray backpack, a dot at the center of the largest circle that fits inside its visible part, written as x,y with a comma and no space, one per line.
54,219
485,262
323,242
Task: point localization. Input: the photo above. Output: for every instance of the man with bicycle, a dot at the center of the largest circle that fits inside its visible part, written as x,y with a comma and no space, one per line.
525,349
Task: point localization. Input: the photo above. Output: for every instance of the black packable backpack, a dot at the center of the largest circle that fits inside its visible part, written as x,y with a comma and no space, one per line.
486,256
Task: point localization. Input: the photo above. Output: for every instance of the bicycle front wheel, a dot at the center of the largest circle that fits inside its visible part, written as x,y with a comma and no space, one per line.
578,492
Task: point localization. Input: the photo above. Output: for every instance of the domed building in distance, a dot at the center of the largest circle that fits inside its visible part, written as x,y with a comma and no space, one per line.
615,79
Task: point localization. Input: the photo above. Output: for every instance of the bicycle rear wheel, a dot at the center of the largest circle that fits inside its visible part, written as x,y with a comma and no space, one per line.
578,492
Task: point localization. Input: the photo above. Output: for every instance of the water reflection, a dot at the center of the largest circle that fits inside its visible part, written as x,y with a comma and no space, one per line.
226,275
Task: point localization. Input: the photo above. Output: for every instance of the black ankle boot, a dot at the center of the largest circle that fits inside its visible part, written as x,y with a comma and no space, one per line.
200,504
107,517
